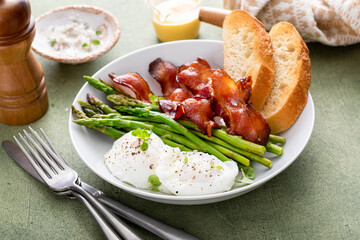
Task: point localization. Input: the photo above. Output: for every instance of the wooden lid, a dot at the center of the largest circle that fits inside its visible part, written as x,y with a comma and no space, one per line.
16,23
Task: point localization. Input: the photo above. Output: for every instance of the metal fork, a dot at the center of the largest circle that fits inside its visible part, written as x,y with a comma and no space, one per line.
63,179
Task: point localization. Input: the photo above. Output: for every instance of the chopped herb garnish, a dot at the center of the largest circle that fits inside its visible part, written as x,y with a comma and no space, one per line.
144,146
143,135
219,167
212,165
186,160
248,172
98,32
95,42
245,179
85,45
155,99
53,41
154,181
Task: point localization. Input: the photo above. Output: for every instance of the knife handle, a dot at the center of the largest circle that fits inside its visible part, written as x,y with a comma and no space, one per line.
160,229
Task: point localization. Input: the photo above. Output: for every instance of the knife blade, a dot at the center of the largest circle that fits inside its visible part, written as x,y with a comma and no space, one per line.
19,157
160,229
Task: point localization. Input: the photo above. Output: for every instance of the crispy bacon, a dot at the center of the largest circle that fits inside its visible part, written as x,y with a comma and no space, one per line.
134,82
178,95
199,111
201,93
194,76
174,109
205,93
244,86
165,74
240,117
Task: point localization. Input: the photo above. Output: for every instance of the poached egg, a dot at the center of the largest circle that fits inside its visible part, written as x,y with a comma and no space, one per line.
177,172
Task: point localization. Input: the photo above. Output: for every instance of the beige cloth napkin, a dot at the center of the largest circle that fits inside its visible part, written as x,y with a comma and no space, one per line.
331,22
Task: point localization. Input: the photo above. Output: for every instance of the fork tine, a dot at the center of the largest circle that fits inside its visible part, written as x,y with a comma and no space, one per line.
61,164
34,133
42,169
44,158
51,145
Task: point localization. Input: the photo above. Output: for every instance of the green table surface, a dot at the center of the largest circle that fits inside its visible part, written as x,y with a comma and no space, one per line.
317,197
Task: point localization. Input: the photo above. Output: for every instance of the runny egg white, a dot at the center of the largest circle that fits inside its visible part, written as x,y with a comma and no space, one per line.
195,173
177,172
127,162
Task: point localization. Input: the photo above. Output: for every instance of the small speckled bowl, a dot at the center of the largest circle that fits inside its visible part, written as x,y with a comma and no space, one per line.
95,17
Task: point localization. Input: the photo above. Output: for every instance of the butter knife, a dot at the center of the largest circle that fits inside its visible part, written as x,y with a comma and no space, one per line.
160,229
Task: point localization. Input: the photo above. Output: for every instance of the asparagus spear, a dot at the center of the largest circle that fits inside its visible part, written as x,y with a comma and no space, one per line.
89,112
112,132
85,105
273,148
122,100
243,144
97,108
110,115
241,159
174,145
100,105
167,141
141,119
76,113
236,141
100,86
276,139
106,83
264,161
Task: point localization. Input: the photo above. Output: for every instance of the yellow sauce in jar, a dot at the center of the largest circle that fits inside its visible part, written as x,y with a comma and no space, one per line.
176,20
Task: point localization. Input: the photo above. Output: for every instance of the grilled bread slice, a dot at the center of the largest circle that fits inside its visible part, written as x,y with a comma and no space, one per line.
248,52
288,95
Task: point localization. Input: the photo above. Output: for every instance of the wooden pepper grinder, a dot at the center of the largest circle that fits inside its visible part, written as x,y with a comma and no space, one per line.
23,95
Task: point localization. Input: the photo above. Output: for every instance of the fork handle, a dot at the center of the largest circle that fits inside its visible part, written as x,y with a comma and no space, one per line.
122,228
108,232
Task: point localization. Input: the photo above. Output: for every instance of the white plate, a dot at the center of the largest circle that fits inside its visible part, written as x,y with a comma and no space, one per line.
92,145
95,17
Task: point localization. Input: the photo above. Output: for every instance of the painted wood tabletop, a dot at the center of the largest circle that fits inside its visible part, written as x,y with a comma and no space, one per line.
317,197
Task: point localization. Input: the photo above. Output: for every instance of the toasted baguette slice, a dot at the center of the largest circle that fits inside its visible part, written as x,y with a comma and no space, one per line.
292,78
248,52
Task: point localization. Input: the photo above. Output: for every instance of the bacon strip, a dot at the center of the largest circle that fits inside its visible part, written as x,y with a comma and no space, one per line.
165,74
174,109
199,111
177,95
205,93
240,117
134,82
244,86
194,76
